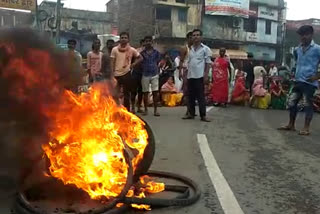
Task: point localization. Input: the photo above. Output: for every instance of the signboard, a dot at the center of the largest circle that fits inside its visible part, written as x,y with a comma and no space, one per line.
268,13
252,37
63,46
19,4
239,8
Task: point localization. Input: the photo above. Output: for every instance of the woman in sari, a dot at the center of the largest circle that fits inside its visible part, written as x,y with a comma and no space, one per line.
169,93
278,95
240,94
220,79
261,98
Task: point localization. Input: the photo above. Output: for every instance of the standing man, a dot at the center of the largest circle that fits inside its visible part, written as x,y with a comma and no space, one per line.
94,58
109,43
248,68
75,55
121,66
183,69
75,60
106,60
198,70
136,83
150,74
307,79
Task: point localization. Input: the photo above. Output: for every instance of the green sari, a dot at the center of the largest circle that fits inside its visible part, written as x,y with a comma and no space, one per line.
279,102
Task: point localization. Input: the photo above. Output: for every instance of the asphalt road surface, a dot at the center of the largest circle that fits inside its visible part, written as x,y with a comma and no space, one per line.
241,162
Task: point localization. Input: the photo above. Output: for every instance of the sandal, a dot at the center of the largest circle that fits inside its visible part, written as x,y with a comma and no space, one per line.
140,111
188,117
304,133
286,128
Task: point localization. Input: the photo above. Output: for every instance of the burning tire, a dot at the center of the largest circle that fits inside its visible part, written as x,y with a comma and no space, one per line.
148,156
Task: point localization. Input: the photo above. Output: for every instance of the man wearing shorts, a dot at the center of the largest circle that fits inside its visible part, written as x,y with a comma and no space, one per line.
307,77
121,66
150,74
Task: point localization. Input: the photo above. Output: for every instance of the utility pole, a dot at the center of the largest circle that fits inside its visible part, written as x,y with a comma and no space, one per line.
37,16
283,22
58,21
131,25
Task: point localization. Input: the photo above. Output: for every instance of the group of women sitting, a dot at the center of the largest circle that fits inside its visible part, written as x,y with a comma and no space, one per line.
266,91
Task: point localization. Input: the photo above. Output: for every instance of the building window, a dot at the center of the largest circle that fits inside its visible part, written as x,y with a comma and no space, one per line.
250,25
8,20
181,1
182,15
163,13
268,27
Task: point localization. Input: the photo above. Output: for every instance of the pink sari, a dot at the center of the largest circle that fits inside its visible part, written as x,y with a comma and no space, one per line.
220,87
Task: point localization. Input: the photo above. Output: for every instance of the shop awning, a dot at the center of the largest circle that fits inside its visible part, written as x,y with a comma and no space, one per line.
233,54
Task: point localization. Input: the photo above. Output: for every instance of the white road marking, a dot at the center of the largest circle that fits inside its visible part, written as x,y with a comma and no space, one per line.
226,197
209,109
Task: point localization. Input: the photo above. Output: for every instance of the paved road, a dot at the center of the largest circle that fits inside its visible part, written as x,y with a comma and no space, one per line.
263,171
242,163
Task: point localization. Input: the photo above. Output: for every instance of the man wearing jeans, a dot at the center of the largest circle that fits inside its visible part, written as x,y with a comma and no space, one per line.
198,69
307,76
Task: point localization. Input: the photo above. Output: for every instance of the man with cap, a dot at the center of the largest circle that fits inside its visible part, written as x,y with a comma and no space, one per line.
307,79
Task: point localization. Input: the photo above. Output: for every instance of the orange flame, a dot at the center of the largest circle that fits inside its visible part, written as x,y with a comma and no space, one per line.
86,131
87,148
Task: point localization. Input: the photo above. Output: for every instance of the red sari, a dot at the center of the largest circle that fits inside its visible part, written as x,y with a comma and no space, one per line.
220,87
240,95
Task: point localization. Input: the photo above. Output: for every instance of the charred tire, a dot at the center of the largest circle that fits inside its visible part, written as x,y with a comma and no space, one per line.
148,156
22,205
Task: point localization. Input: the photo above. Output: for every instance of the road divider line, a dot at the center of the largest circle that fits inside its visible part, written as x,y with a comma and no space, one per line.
225,195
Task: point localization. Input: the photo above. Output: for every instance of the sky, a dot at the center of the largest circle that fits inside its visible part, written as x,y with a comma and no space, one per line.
297,9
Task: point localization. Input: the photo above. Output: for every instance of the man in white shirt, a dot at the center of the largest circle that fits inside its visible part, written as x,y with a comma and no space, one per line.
199,63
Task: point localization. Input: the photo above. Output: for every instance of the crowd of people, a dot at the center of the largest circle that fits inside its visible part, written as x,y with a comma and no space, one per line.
196,76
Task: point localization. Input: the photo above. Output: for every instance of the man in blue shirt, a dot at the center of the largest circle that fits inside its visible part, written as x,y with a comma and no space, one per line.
150,74
307,79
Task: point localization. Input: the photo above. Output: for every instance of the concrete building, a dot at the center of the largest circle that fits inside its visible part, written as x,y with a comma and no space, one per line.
14,18
257,31
76,20
257,27
168,20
